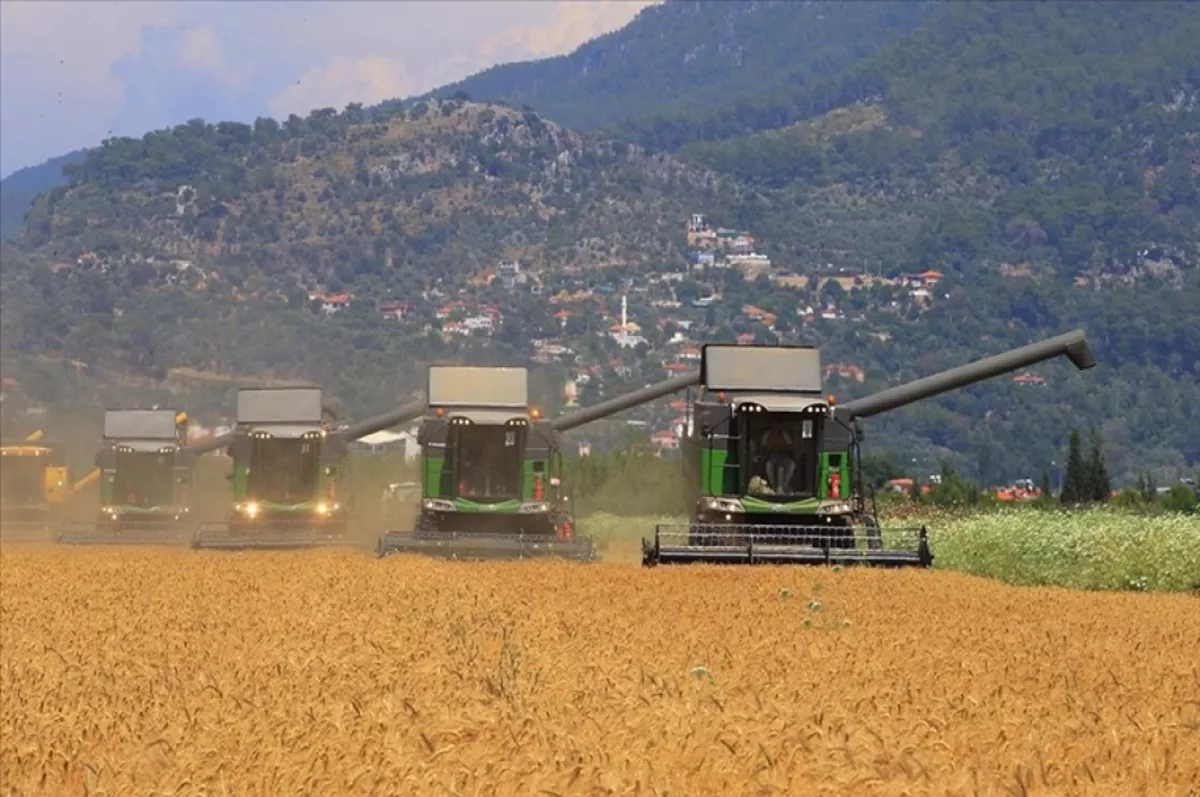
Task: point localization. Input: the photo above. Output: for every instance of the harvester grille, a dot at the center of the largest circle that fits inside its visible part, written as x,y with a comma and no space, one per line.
691,543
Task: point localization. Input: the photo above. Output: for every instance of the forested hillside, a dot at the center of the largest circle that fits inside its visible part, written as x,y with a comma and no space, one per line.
1040,160
19,189
438,191
686,57
203,249
1057,133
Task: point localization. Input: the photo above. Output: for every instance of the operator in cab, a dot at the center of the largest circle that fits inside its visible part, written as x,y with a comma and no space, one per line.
777,445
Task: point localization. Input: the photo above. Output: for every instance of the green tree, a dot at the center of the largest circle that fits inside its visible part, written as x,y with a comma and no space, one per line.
1099,483
1075,483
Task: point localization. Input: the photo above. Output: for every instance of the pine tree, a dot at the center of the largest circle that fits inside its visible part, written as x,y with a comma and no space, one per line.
1099,483
1074,481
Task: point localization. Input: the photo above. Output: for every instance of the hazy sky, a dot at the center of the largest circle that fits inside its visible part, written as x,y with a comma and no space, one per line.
72,73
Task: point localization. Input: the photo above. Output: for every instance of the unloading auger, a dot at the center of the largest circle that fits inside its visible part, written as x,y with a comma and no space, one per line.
771,460
145,474
291,472
491,469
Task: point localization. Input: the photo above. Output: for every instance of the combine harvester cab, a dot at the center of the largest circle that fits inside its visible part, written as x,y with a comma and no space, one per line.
34,486
491,470
290,471
771,461
145,474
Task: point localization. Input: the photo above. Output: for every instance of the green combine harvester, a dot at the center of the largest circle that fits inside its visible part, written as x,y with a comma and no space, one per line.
772,461
491,470
145,476
291,472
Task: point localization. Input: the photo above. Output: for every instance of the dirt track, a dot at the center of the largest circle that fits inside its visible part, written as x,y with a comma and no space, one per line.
331,672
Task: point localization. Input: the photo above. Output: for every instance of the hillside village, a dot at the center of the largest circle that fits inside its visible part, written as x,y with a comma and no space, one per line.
654,320
661,318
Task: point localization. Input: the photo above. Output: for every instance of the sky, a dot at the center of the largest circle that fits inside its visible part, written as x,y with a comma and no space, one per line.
75,73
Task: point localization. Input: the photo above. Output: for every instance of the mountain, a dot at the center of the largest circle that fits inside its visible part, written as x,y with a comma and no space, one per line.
909,135
684,56
679,56
452,186
1054,132
19,189
993,174
216,251
982,66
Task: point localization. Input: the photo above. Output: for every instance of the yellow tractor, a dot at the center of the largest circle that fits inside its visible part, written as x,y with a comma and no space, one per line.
34,487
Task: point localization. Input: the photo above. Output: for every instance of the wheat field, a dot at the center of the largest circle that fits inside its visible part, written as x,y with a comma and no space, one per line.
140,671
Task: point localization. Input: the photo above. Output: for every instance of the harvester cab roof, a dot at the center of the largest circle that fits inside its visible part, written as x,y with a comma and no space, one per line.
284,412
479,395
54,453
148,431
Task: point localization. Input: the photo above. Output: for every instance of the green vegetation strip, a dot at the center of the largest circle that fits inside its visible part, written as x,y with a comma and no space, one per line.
1094,549
1101,549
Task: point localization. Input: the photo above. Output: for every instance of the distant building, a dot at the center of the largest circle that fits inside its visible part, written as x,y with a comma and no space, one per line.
510,275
